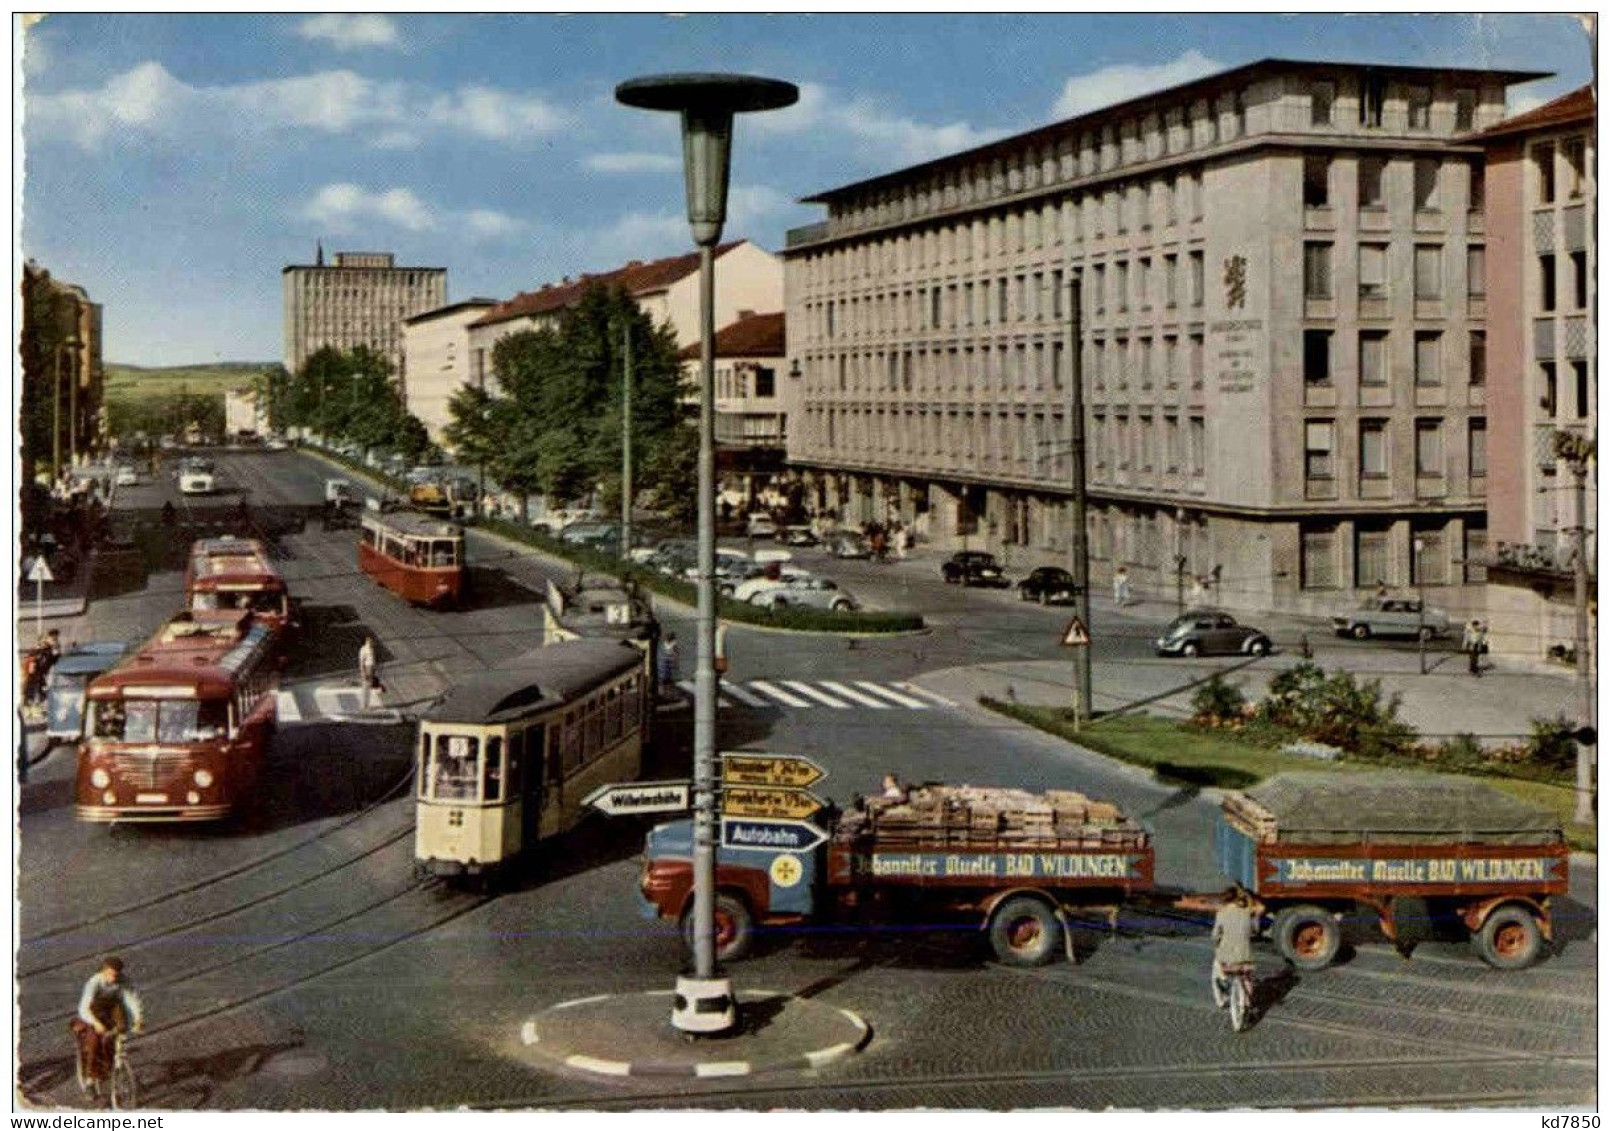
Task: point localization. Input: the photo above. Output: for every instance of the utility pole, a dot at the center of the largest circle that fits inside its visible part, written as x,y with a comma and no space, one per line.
1584,647
626,442
1079,547
1420,591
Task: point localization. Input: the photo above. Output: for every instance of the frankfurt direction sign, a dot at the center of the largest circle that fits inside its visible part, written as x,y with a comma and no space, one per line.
770,836
768,801
629,799
780,771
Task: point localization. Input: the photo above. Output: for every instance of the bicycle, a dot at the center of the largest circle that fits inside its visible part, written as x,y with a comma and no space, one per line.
123,1085
1236,991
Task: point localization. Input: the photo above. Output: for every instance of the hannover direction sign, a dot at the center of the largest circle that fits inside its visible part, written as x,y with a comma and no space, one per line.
780,771
629,799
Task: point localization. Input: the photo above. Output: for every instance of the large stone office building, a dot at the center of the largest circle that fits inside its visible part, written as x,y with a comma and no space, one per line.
361,299
1282,270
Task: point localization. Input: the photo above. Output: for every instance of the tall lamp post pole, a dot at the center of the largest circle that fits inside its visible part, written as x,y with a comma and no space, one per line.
626,441
707,104
1584,646
1078,543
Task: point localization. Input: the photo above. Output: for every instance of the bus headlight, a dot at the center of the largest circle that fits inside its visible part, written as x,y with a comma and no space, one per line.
109,798
99,778
193,797
203,778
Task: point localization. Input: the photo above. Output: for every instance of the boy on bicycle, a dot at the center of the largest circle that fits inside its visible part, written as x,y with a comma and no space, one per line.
1233,927
107,1007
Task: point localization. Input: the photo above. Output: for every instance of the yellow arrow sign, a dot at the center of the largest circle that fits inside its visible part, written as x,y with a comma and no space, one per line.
765,801
778,770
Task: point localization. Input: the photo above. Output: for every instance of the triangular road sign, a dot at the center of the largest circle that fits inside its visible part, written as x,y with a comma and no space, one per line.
1075,635
41,570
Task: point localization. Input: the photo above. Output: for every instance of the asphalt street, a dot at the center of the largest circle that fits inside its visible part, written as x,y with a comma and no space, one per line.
293,960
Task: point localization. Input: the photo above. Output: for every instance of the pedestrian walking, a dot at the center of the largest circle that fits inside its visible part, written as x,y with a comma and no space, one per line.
667,662
1481,644
1472,645
902,540
368,670
1120,587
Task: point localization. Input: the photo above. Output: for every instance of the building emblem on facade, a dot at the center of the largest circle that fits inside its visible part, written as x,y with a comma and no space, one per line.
1235,282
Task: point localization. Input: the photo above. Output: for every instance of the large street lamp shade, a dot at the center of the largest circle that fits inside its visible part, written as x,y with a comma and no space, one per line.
707,104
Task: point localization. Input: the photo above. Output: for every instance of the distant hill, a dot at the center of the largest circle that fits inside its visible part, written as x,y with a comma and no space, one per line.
135,382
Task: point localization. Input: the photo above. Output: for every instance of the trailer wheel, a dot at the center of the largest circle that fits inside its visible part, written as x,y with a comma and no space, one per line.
1308,936
1025,932
735,928
1509,939
1361,632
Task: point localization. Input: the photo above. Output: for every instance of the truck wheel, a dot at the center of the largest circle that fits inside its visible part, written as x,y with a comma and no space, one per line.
1308,936
735,928
1024,932
1426,635
1361,632
1509,939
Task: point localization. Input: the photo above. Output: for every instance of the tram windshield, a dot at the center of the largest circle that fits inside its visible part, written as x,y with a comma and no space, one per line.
166,721
454,767
443,552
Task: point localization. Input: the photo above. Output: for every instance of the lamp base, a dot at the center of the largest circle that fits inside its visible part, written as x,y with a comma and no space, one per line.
704,1006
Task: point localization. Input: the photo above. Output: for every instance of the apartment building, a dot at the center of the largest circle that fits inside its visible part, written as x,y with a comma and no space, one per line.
1542,346
748,277
436,361
359,300
61,418
1281,270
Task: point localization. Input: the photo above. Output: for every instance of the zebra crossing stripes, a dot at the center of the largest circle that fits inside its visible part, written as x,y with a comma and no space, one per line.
903,700
738,693
913,689
820,696
860,697
839,695
778,693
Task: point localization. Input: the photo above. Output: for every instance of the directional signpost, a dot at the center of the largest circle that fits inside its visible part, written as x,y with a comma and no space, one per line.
628,800
770,836
767,801
39,574
764,801
781,771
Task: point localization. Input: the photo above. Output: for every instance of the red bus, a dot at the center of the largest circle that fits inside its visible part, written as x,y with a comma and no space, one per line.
420,559
176,731
231,573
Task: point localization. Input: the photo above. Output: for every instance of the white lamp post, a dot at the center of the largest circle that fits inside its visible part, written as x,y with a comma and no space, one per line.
707,103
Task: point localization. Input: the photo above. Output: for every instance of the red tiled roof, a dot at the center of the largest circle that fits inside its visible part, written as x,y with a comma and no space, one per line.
636,278
1577,106
759,335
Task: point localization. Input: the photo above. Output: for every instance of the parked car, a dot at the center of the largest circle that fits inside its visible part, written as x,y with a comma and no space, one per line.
1202,632
275,444
600,535
127,476
973,567
761,526
850,546
752,587
337,492
805,592
1046,584
1392,616
556,520
799,536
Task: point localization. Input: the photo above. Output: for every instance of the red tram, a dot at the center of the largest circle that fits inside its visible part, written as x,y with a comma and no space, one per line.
231,573
420,559
177,730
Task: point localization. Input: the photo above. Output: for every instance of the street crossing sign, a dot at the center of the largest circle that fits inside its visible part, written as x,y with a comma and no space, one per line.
779,771
630,799
1075,635
768,801
769,836
40,573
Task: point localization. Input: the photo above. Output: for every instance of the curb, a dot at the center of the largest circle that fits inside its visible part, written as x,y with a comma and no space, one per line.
705,1069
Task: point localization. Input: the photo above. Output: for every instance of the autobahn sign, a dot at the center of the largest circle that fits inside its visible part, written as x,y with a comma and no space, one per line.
777,771
630,799
770,836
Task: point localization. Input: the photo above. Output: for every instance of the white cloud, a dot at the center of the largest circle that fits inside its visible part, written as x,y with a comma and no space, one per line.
347,32
632,162
344,207
870,124
149,101
1123,81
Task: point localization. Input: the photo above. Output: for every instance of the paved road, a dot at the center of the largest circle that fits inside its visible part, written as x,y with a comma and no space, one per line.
295,961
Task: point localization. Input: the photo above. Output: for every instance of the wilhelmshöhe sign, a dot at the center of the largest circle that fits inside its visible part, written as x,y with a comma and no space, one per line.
642,797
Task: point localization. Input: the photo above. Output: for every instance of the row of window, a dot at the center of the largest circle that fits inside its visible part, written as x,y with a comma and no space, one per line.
1372,97
1549,402
1374,452
743,381
1163,201
426,553
1124,443
1548,280
1375,357
1374,273
1028,444
1432,185
1571,166
1433,558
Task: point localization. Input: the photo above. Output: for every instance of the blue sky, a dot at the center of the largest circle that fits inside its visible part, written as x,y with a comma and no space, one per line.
173,164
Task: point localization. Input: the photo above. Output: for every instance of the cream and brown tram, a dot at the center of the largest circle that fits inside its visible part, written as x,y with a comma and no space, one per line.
506,757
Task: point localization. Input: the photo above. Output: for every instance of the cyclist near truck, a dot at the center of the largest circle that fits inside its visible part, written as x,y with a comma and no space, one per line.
1233,927
107,1008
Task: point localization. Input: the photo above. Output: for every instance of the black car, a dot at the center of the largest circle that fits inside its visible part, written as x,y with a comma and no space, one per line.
1047,584
1203,631
973,567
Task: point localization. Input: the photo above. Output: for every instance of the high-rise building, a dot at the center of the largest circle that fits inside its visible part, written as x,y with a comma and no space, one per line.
1540,362
62,419
1280,268
359,300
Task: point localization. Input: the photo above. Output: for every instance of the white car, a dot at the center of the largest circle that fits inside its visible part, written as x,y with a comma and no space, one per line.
194,481
806,592
127,477
753,587
277,445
